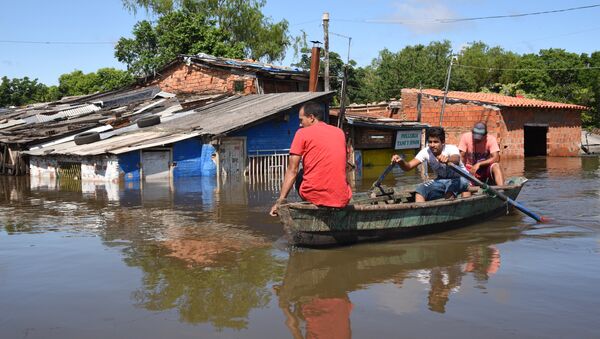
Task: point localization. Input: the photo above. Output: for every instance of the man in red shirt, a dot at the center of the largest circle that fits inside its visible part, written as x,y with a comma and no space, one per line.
322,148
480,153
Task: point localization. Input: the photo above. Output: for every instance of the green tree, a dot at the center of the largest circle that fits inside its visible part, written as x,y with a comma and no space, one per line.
105,79
175,33
413,66
336,69
484,67
23,91
261,38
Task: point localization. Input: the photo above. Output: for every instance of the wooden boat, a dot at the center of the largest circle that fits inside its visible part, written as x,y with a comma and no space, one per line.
389,213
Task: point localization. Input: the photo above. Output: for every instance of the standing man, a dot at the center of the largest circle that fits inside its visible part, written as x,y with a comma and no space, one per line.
437,154
481,154
322,149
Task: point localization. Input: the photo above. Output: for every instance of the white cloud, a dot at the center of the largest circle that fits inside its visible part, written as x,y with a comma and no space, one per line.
420,15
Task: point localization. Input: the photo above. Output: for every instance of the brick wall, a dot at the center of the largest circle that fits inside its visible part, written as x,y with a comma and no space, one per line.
382,110
197,79
506,123
458,117
564,130
201,80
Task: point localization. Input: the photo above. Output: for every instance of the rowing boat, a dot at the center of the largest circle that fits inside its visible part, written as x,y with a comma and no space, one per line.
389,213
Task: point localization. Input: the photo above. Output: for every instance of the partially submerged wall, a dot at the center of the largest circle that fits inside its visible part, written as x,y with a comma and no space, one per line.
506,123
96,168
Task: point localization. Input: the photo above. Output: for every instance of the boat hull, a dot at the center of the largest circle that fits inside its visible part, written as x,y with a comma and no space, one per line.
309,225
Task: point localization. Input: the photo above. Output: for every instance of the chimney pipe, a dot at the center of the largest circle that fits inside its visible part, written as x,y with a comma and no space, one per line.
314,67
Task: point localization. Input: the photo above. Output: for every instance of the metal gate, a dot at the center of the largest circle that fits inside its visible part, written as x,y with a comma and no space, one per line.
268,168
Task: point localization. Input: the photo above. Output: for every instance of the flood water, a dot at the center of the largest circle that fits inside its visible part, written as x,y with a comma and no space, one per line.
194,259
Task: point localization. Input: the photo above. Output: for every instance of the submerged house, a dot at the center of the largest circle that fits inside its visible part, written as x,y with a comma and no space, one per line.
524,127
233,137
376,132
46,124
206,74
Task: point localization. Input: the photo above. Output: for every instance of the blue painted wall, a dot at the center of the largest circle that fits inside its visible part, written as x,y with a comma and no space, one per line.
207,162
274,134
193,159
129,165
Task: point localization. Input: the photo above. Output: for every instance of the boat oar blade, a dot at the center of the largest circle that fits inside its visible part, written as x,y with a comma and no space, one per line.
377,182
496,193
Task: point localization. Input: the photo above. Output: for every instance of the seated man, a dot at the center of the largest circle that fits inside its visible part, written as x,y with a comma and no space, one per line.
322,148
437,154
481,155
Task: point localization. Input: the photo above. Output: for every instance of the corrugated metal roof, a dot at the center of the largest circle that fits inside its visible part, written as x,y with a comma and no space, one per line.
244,64
501,100
233,113
11,123
165,140
384,123
69,113
214,119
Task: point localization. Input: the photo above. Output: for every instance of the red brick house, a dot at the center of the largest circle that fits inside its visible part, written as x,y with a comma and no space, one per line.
524,127
206,74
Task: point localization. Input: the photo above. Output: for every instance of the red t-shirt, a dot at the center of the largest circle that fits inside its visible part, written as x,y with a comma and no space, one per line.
476,152
323,151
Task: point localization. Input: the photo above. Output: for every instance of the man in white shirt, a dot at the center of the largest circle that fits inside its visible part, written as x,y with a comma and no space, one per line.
437,154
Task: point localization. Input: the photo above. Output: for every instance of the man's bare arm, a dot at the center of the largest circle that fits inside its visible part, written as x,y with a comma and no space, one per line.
288,181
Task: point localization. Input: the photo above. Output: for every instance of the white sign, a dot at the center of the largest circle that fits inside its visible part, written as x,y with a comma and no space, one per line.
408,139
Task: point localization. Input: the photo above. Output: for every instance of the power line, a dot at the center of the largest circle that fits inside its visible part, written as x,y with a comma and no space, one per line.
529,69
453,20
58,42
520,14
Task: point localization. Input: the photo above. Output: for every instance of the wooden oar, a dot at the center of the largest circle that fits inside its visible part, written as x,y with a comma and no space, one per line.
377,182
496,193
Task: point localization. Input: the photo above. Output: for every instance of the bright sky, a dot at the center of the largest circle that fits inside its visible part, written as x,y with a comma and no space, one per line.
90,29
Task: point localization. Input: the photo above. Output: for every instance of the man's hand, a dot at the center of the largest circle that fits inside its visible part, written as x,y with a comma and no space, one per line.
397,159
474,168
273,211
442,158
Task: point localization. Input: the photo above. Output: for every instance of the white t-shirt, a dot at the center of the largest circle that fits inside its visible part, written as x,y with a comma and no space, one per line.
443,172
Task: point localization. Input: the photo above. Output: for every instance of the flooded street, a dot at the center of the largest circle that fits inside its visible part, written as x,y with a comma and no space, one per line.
194,259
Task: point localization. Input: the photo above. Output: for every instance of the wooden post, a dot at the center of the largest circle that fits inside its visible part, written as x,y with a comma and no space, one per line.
326,51
314,69
3,159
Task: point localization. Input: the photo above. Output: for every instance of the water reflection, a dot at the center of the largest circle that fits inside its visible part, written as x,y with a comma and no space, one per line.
205,251
203,281
315,292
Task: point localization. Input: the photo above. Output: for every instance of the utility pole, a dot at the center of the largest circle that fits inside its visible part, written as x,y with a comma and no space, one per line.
446,89
326,46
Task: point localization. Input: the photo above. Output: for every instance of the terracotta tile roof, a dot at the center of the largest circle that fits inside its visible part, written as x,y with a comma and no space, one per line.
501,100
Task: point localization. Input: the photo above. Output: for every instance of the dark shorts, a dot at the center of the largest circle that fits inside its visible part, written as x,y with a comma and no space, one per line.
484,173
298,182
438,188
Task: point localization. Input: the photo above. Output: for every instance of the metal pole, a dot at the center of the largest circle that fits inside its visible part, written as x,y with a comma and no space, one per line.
342,114
446,89
326,51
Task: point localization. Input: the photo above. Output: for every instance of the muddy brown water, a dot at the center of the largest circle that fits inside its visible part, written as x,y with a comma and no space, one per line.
197,259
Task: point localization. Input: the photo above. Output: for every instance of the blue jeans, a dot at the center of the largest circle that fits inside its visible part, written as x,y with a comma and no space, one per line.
438,188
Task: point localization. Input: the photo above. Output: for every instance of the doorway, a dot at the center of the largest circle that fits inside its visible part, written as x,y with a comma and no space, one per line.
535,139
156,164
232,158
